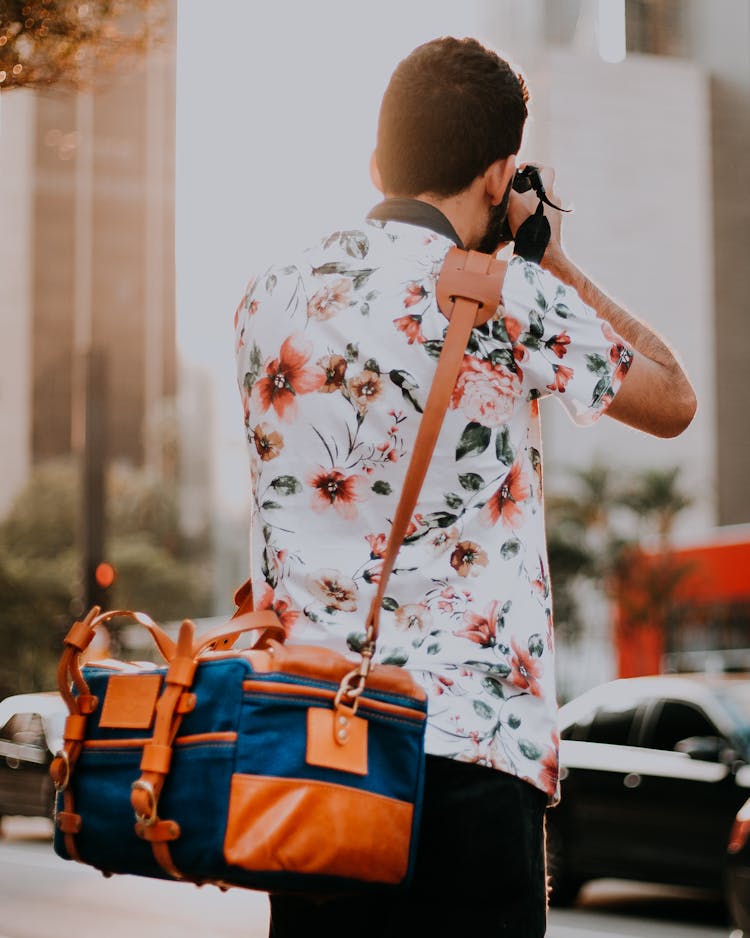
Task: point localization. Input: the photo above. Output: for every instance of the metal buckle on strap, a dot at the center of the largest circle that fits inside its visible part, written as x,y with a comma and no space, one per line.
151,818
62,784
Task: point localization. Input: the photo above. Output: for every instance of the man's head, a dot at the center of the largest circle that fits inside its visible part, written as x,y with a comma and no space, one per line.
451,109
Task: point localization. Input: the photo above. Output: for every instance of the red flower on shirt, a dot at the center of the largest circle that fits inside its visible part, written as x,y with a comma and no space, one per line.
504,504
411,326
563,374
415,293
525,670
282,608
286,377
331,488
559,344
486,393
481,629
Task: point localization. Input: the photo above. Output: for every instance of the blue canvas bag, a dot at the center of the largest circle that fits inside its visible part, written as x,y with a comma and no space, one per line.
279,767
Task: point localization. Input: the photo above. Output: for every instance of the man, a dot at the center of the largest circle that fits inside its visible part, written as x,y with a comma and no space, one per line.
336,351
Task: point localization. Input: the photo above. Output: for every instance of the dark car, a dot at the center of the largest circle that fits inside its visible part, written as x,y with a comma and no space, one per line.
31,728
653,772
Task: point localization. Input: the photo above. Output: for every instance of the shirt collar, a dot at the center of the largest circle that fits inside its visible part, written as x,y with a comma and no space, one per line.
415,212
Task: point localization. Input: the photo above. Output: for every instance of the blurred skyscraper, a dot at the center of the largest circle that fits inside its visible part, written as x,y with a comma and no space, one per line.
654,150
87,189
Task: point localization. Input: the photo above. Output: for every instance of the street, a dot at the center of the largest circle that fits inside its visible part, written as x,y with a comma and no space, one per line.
41,895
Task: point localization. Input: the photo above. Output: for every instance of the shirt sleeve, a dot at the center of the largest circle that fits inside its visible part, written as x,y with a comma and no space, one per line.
561,347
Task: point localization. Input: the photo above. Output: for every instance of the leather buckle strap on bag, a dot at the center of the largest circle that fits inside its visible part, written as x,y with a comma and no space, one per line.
182,657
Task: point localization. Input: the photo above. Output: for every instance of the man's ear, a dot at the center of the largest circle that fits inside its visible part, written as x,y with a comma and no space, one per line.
375,172
497,176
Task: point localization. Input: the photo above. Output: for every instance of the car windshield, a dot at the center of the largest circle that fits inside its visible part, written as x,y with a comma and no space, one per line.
735,696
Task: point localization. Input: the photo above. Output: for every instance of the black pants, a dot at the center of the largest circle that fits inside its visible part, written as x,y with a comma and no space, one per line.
480,868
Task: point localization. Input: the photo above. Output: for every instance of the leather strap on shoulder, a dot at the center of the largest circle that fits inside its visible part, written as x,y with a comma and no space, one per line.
469,291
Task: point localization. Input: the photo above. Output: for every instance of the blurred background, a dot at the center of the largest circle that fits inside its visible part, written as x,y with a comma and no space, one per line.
154,155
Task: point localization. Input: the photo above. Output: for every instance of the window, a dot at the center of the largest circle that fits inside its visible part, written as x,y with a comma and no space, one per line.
24,729
679,720
610,723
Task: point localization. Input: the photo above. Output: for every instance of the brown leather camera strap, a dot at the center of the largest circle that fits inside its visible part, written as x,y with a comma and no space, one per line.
469,292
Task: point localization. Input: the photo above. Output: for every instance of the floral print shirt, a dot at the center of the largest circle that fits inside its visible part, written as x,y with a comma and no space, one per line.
335,351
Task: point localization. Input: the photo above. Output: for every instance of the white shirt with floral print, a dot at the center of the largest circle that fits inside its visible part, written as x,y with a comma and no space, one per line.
335,354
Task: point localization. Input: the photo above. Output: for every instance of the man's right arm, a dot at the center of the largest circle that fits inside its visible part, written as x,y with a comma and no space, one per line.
656,395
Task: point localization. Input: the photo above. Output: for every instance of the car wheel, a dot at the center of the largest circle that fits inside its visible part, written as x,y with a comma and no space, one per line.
563,885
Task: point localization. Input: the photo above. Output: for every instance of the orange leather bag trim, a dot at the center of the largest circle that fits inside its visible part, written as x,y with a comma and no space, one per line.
302,690
130,701
336,739
315,827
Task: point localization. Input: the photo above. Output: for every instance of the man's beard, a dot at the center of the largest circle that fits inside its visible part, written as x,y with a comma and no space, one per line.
493,233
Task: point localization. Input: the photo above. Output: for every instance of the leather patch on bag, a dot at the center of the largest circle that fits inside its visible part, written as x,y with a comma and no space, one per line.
130,701
305,826
336,739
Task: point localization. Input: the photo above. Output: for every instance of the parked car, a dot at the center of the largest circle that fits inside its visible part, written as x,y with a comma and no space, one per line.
31,729
653,773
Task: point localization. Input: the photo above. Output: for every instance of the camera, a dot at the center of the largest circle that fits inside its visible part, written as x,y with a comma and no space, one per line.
524,179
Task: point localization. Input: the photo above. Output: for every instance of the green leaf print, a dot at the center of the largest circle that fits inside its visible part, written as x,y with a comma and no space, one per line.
536,645
501,668
269,505
286,485
514,721
359,277
562,310
597,364
503,449
352,352
483,710
529,749
389,604
440,519
397,656
355,244
271,281
355,641
471,481
493,687
453,501
510,548
433,347
536,326
372,365
381,488
406,382
475,439
504,356
433,648
499,331
600,391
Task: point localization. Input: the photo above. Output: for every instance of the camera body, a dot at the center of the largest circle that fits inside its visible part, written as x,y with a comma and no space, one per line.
523,180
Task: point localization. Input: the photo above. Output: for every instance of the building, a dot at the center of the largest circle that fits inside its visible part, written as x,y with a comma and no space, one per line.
87,188
643,107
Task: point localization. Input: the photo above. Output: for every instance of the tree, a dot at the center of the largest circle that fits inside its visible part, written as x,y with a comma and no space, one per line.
595,536
46,42
157,568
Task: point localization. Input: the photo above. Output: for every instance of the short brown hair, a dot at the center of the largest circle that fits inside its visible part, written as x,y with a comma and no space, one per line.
451,108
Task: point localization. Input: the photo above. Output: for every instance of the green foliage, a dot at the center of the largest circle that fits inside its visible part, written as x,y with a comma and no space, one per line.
593,529
46,42
158,569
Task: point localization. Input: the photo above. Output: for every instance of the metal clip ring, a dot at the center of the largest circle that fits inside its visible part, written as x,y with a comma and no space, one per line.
150,819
